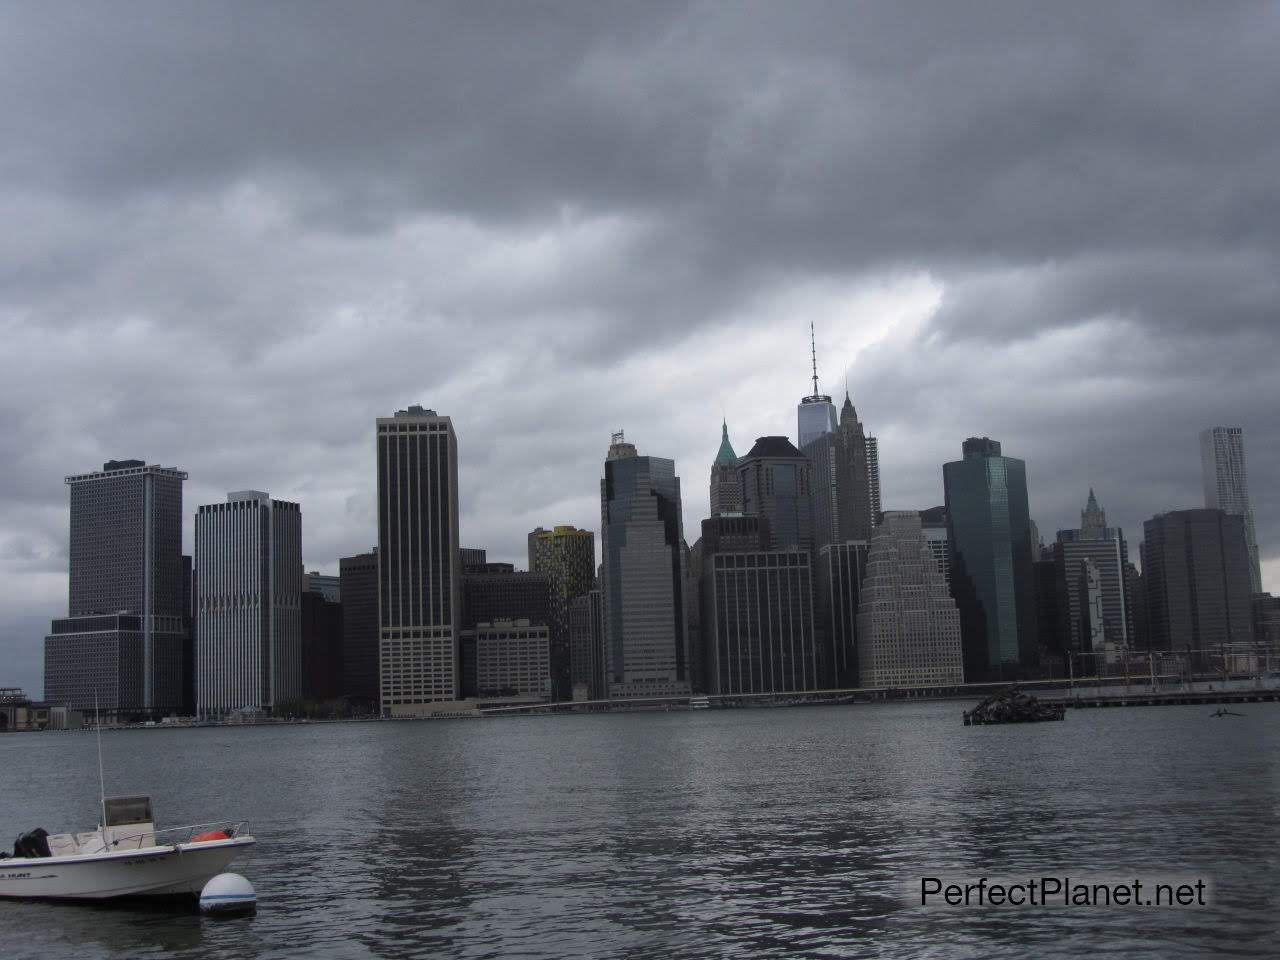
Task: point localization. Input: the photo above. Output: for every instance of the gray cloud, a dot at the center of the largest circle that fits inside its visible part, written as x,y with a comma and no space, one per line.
240,233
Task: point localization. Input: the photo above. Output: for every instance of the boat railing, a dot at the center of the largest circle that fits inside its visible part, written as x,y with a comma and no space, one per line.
171,836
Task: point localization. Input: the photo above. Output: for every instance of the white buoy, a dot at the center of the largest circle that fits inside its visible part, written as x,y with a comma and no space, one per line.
228,893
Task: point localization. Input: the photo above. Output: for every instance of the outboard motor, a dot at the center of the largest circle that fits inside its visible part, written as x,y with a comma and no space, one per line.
33,843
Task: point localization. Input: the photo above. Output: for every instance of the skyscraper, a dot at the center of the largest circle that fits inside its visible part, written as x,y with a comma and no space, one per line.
586,647
1093,520
820,442
1195,564
841,569
566,556
726,494
358,584
758,621
989,526
419,575
1226,486
858,477
249,588
816,414
873,477
123,639
1094,552
321,644
643,575
777,484
908,625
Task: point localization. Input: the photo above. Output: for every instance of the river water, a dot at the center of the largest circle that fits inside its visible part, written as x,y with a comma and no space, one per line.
743,833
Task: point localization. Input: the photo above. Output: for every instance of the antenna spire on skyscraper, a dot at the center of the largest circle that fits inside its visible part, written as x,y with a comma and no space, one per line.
813,352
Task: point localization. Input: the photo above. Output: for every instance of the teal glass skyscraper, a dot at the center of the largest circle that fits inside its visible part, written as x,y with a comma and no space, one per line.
989,527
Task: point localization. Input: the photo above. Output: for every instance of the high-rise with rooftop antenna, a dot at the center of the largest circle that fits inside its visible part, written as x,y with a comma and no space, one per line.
819,441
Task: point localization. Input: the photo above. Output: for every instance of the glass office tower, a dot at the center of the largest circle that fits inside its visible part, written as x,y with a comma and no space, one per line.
642,540
989,527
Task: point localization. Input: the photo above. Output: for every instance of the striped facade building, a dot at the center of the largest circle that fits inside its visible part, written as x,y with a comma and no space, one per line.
758,622
419,570
840,571
249,604
121,646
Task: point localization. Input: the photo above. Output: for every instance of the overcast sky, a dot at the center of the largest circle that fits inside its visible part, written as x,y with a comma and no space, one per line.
236,234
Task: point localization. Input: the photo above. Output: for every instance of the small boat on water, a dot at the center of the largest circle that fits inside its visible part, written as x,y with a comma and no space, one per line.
125,857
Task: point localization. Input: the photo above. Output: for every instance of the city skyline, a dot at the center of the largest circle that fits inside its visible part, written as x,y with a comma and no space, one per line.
630,227
695,508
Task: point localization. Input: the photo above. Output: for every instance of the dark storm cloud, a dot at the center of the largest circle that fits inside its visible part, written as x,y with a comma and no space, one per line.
237,233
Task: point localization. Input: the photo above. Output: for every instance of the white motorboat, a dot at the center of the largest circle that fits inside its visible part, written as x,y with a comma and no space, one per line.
125,857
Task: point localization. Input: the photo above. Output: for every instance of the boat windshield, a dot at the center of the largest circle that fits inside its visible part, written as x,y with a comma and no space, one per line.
122,811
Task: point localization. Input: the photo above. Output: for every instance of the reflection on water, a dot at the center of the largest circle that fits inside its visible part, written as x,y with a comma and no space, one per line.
714,833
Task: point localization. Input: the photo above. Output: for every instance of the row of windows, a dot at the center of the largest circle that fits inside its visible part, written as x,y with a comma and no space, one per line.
413,428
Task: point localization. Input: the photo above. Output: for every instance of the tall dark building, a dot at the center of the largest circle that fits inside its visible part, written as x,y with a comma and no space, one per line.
1196,565
358,576
586,646
321,647
1050,600
643,578
419,570
777,484
726,494
189,597
124,639
566,556
758,622
858,477
841,569
989,526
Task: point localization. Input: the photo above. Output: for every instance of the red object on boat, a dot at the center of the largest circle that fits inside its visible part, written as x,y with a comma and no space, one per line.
211,835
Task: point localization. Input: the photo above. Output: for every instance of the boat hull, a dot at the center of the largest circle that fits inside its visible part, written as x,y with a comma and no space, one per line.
171,870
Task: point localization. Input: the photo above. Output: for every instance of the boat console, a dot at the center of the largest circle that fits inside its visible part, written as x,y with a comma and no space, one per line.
129,823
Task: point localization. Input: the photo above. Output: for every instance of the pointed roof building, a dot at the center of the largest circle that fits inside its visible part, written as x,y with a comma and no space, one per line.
858,477
847,411
725,456
1093,520
726,492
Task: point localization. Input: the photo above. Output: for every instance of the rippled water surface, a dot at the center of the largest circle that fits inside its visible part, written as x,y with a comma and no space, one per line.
773,833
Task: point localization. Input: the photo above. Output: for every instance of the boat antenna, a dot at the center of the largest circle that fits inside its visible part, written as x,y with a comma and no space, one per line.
102,780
